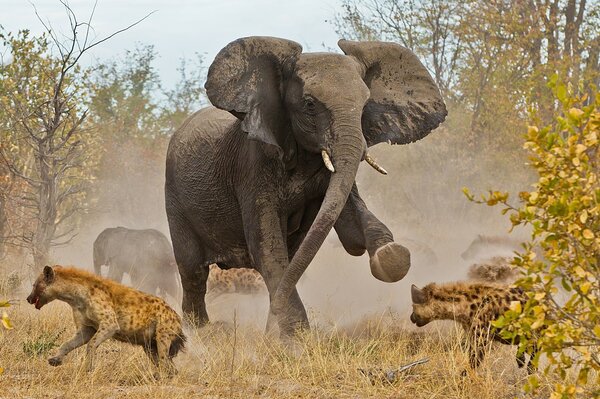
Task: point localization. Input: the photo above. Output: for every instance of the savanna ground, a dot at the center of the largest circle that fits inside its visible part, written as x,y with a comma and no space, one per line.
233,358
356,323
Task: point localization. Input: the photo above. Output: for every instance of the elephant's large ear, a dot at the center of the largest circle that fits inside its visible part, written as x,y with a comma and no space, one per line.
245,79
405,103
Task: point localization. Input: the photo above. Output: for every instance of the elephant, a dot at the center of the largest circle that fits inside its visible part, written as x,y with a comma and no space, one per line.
146,255
260,177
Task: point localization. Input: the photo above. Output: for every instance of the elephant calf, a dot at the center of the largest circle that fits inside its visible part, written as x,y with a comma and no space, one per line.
145,255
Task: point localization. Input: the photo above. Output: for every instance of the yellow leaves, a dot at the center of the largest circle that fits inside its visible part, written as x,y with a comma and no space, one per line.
575,113
539,313
539,296
580,272
585,287
588,234
591,137
571,227
583,218
537,324
5,321
533,198
586,200
597,330
579,149
516,307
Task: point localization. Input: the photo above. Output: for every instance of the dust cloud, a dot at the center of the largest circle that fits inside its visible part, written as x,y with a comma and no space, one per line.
420,201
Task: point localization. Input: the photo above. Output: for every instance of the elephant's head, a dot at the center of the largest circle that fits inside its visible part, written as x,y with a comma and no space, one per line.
332,104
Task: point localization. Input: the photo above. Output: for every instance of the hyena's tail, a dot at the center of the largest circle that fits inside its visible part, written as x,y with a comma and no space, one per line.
177,345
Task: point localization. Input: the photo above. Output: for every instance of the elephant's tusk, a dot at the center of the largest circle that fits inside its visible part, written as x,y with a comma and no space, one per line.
374,164
327,161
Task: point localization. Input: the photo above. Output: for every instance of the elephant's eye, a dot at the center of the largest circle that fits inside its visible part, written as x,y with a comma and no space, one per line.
309,105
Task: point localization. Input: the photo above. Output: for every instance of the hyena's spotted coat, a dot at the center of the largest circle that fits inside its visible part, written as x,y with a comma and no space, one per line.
238,280
474,306
104,309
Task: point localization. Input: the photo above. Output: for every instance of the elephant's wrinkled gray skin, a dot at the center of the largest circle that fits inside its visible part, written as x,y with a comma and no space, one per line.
146,255
264,183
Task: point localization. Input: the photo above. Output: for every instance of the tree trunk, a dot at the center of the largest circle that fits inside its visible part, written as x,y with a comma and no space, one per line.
46,223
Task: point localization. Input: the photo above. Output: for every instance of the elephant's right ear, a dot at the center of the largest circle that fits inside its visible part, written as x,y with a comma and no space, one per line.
245,79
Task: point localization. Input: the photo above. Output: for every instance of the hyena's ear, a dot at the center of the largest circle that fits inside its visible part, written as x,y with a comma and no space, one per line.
48,274
418,295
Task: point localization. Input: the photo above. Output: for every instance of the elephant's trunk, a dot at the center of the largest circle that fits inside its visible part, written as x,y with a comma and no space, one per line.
347,153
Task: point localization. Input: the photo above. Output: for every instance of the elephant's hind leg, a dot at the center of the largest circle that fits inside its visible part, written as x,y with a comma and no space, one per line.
193,269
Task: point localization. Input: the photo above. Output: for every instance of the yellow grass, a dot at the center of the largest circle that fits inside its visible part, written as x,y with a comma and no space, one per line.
228,361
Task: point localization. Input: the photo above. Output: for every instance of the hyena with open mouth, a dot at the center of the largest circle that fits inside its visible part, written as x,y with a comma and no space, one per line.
104,309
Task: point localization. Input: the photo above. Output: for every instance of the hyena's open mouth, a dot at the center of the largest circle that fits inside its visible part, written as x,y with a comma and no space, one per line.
36,302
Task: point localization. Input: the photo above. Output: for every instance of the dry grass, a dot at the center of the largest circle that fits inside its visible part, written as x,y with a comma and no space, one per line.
223,361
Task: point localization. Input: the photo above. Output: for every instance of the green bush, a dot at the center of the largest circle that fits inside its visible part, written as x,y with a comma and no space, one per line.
560,265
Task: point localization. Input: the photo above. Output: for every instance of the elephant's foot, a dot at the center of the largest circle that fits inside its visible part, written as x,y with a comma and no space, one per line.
195,319
390,263
287,322
288,328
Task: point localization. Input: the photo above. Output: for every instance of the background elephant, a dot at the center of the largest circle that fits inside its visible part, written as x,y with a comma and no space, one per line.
145,255
262,180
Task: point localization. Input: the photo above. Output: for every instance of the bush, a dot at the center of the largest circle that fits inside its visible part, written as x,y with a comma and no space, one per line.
5,321
560,265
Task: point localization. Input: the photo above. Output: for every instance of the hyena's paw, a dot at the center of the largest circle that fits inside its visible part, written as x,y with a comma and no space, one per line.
55,361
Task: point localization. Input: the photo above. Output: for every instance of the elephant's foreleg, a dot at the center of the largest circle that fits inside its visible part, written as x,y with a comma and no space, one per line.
359,230
115,272
265,230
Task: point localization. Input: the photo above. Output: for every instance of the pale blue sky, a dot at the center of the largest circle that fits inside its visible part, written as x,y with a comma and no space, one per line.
182,27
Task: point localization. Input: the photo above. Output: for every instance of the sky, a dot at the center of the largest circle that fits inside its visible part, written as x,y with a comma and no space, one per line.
181,28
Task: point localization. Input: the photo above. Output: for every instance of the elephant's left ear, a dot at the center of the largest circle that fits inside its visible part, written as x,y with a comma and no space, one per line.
405,103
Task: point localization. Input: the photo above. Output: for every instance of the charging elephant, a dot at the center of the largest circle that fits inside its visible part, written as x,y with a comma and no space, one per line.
261,180
145,255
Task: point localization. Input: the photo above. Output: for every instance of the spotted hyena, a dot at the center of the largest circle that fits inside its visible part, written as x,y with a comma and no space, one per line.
474,306
486,247
494,270
239,280
104,309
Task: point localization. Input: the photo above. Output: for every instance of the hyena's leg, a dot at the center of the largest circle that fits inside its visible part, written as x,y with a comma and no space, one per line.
105,331
81,337
151,351
164,337
478,341
532,368
521,359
